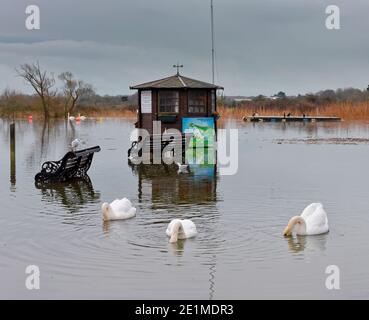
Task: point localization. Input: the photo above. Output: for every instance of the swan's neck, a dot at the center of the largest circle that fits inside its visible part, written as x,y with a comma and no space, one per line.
296,223
175,231
106,212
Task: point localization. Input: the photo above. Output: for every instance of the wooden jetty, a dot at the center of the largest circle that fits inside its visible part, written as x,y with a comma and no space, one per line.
290,118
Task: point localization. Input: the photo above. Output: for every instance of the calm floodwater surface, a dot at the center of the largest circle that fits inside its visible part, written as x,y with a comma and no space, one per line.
239,253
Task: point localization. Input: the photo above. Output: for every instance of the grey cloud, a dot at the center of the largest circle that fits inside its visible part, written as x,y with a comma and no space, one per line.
262,46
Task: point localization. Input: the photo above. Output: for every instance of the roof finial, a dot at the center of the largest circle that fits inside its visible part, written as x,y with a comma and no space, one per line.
178,66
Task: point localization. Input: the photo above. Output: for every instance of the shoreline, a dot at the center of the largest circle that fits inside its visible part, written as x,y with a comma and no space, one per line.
221,122
347,111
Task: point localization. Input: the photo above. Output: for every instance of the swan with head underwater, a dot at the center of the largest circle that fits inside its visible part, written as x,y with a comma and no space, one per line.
312,221
181,229
118,210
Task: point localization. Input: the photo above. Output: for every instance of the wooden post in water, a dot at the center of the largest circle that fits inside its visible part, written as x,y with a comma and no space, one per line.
12,155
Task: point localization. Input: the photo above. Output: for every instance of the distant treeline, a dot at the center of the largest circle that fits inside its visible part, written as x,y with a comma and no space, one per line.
108,101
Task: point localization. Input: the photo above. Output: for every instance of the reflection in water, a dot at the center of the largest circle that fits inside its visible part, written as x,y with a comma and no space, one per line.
12,158
170,187
70,134
106,227
297,244
308,128
178,247
182,195
71,194
42,145
300,243
45,134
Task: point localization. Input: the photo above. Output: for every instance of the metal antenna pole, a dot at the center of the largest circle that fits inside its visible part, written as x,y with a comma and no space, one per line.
212,39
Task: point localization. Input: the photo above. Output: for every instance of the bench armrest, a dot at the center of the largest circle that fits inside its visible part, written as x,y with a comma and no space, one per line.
83,152
50,166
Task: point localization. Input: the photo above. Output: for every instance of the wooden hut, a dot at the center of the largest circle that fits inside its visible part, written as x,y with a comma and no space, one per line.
172,99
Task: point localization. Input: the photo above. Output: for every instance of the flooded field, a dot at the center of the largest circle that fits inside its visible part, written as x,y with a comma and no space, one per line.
240,251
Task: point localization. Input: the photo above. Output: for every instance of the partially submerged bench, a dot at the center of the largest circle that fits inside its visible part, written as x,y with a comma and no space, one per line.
162,141
74,164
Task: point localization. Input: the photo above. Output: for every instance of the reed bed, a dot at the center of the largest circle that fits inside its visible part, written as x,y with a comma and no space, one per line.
348,111
107,112
58,113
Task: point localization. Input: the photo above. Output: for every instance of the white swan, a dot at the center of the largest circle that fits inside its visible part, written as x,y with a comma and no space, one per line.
312,221
183,168
71,118
181,229
81,118
75,143
118,210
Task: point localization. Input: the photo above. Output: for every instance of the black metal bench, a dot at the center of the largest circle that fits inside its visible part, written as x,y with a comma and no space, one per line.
74,164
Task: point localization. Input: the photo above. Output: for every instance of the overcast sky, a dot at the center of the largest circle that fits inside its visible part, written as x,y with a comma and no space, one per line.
262,46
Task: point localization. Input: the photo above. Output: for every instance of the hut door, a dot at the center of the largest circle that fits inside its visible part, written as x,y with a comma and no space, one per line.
146,110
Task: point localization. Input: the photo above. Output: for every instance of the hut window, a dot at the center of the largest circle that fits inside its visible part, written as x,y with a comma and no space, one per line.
169,101
196,101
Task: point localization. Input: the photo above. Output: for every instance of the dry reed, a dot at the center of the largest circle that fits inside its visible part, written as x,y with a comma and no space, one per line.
346,110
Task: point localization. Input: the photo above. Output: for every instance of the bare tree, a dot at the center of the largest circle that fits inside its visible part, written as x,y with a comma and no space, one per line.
41,82
74,90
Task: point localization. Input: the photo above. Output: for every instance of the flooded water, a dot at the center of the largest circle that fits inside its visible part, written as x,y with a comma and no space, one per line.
239,253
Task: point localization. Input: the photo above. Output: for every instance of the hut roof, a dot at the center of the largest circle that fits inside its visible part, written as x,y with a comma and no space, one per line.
176,82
